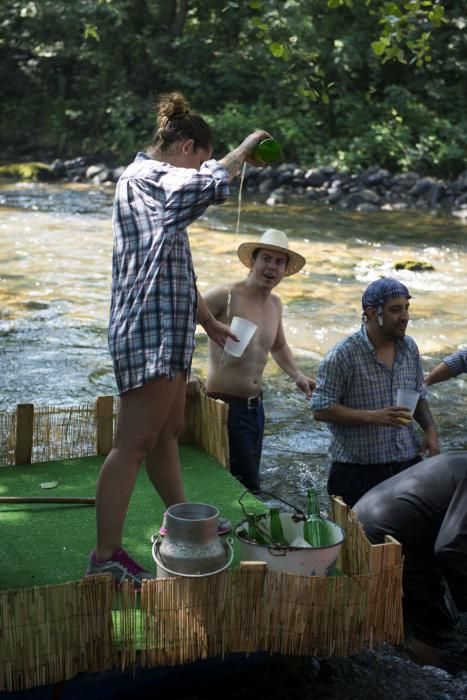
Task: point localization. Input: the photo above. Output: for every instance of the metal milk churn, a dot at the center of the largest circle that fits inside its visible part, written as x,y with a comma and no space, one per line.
192,546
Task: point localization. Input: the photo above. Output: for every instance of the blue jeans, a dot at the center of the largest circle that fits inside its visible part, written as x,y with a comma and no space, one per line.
246,430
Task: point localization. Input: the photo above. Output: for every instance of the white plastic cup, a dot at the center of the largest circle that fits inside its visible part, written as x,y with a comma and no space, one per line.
407,398
244,330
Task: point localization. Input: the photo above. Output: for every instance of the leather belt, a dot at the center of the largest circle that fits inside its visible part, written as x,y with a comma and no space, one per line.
246,401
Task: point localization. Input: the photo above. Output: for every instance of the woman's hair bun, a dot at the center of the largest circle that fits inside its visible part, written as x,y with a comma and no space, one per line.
171,105
176,122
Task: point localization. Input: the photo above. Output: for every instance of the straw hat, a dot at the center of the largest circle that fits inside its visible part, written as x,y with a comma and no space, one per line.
272,240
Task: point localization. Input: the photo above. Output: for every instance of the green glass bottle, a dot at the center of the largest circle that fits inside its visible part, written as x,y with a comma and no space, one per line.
267,151
275,524
255,532
315,529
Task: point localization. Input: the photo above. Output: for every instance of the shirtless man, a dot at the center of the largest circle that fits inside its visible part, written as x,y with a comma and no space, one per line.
238,380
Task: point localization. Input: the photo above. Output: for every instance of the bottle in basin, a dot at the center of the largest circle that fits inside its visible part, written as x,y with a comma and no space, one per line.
315,528
275,525
257,533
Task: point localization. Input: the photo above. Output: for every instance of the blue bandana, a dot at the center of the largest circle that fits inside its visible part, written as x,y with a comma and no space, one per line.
381,290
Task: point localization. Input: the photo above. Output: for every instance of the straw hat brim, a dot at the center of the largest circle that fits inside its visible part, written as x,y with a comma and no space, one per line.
246,250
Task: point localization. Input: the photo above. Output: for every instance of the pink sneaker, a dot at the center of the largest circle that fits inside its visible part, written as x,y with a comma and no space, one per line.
121,566
223,526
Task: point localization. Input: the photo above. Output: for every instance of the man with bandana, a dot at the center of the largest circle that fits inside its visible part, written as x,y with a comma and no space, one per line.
373,438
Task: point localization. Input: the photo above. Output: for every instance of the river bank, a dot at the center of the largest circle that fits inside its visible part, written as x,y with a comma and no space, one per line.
372,190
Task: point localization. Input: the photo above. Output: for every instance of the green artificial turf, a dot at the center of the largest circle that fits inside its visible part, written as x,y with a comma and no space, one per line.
50,543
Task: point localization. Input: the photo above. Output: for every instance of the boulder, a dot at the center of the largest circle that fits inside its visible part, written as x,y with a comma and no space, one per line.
32,171
314,178
414,266
94,170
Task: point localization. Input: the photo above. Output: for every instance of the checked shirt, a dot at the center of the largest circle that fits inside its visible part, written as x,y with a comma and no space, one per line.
154,298
352,375
457,362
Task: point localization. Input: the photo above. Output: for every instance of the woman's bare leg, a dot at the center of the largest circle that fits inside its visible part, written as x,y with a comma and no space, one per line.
163,462
142,414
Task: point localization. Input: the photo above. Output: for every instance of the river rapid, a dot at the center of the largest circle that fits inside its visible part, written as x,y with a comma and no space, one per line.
55,273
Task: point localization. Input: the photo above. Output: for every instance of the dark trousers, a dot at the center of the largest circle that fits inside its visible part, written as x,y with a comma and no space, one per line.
426,613
350,481
246,430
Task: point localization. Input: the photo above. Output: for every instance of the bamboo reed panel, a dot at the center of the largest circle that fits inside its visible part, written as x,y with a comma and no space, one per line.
63,433
7,437
260,610
46,433
214,437
384,562
206,425
50,633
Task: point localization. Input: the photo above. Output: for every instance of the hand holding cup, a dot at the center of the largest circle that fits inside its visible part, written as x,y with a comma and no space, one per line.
408,399
244,330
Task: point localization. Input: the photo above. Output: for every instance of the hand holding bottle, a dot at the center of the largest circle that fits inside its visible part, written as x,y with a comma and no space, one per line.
251,144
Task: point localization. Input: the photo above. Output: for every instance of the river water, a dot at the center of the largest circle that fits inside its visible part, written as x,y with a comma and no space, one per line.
55,267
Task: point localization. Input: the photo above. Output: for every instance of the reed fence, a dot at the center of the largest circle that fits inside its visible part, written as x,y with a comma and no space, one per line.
45,433
49,634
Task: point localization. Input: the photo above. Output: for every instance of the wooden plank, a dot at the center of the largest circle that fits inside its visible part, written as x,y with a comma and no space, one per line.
339,514
376,558
48,499
105,426
24,433
392,552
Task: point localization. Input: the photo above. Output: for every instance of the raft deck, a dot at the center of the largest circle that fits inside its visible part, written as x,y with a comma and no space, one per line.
55,625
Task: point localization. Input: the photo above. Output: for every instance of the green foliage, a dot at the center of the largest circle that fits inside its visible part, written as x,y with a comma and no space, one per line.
349,82
405,27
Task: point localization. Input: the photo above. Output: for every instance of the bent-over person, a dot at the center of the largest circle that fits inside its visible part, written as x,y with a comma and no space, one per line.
424,508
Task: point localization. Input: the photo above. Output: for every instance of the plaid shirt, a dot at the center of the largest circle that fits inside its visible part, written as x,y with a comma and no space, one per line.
457,362
154,298
352,375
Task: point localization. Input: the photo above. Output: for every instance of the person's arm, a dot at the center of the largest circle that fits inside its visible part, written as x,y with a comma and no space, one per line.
217,331
339,414
334,376
234,160
188,192
422,415
284,358
440,373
